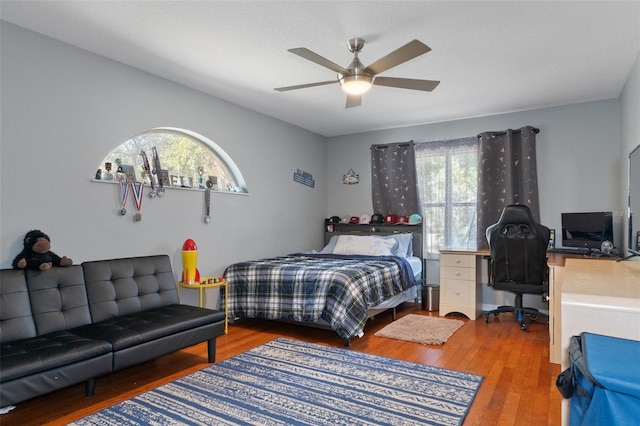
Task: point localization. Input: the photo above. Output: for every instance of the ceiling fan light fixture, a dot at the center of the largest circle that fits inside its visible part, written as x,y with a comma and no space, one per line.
356,79
356,84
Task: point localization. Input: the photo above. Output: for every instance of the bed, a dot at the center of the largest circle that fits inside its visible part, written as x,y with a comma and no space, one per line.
353,278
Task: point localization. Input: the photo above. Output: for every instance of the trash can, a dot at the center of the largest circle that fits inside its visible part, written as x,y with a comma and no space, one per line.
606,380
430,296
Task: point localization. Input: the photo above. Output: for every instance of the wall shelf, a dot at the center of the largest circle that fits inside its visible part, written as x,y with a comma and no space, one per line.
178,188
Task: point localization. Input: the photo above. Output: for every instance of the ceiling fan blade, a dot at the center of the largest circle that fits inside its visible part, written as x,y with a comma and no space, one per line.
408,51
314,57
304,86
406,83
353,101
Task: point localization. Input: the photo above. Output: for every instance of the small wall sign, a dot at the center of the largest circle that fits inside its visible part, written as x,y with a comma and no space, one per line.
303,178
351,178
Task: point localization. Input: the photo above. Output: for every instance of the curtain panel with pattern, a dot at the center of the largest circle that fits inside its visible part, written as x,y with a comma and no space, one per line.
393,179
507,174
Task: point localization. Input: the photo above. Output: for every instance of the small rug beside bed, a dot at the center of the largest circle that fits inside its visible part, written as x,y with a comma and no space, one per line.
421,329
287,382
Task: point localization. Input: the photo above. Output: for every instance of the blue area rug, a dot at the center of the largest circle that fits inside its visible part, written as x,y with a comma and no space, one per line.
290,382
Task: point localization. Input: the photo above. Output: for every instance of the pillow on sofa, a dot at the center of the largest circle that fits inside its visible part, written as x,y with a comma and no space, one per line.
364,245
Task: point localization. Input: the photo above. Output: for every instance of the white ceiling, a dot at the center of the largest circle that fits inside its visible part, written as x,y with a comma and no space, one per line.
491,57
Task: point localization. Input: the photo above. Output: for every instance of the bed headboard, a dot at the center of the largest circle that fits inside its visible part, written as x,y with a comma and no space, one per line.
331,229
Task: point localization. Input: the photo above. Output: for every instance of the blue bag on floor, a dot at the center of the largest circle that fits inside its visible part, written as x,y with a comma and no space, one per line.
606,380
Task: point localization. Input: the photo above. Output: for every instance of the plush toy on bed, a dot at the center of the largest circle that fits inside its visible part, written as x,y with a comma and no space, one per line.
37,253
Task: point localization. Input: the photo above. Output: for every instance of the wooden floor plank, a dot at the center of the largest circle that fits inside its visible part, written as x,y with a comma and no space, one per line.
518,377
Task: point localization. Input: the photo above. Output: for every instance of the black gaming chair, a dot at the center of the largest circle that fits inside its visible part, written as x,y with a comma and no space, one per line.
518,248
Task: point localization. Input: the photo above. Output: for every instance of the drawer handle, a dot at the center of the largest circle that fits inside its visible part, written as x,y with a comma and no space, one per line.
457,293
457,274
457,260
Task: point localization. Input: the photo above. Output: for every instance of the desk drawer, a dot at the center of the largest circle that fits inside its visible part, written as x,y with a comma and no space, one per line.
458,273
458,292
461,260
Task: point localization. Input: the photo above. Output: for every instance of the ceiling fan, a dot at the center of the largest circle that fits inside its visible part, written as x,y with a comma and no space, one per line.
356,79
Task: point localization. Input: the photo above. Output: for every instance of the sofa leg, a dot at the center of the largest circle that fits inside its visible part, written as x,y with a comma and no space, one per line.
89,388
211,348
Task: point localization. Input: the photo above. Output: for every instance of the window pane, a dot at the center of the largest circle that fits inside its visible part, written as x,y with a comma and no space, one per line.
463,227
447,174
464,178
431,173
433,228
180,154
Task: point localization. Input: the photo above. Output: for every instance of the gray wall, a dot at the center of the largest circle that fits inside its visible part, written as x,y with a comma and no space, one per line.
64,109
582,154
630,124
579,157
582,160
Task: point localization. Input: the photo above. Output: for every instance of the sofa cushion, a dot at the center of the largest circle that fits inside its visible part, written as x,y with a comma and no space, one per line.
58,298
29,356
16,321
121,287
134,329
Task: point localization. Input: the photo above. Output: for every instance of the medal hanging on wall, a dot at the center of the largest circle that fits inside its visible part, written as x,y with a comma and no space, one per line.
207,202
124,194
137,189
147,171
157,170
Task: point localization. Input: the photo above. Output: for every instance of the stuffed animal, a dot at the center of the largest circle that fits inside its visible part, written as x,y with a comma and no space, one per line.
37,253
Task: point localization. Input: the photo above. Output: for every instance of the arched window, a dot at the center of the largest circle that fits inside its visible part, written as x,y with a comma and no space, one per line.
187,160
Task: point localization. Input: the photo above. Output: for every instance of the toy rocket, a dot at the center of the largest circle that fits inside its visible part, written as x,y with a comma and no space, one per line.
190,273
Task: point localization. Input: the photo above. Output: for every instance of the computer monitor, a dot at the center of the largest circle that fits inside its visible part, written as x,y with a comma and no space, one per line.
587,229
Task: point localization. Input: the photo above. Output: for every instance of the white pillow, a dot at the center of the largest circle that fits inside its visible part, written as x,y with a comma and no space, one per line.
330,245
405,244
363,244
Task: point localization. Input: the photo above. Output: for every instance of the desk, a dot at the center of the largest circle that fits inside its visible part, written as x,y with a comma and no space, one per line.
462,281
204,285
598,297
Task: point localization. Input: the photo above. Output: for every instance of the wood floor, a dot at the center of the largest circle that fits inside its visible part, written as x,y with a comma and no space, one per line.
518,387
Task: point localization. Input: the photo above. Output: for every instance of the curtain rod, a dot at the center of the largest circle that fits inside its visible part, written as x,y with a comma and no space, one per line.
391,144
504,132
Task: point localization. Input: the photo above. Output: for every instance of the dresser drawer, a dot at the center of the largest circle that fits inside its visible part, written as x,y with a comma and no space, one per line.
458,273
458,292
461,260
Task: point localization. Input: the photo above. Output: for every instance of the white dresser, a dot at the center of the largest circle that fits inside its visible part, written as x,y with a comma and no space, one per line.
460,283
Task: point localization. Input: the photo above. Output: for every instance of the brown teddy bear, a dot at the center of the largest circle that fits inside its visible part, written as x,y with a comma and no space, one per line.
37,253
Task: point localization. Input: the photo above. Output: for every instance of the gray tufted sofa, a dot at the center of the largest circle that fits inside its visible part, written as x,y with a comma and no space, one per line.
74,324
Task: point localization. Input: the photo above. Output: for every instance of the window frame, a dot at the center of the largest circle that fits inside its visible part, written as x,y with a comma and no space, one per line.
231,169
446,148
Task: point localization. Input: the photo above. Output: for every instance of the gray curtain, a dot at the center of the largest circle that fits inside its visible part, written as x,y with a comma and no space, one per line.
393,179
507,174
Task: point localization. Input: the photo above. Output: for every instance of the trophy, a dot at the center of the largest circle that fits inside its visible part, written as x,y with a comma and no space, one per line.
107,174
200,178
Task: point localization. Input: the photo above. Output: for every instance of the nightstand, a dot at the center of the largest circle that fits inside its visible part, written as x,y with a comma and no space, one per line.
205,283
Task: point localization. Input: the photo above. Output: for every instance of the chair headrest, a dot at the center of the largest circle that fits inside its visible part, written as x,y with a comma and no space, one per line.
516,214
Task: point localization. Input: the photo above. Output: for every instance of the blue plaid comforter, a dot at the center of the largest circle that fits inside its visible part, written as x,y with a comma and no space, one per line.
305,287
